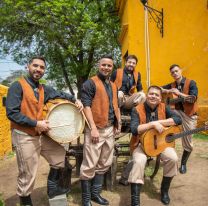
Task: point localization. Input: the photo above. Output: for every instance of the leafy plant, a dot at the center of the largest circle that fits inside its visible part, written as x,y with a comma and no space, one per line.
71,34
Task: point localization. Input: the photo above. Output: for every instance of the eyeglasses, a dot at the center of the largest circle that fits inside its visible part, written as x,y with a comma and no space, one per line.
37,65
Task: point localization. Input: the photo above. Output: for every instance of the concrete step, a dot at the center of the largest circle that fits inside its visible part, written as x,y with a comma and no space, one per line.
60,200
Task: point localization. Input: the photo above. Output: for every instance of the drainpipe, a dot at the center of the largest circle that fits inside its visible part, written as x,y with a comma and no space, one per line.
147,47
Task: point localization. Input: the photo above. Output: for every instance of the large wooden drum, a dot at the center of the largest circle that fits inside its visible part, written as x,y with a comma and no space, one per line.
65,120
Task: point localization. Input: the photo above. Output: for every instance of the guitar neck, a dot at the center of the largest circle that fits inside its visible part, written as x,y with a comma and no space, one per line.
173,101
186,133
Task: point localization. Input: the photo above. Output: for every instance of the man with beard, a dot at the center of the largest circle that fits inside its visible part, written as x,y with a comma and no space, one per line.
151,115
129,84
99,97
186,89
24,105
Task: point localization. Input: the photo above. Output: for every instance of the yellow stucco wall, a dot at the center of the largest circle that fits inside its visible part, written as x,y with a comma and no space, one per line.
5,133
185,41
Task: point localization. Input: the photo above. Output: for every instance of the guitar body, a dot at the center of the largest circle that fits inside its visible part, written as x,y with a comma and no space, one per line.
154,143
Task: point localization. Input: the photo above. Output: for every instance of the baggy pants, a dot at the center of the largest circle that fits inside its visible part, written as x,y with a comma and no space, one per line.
129,102
169,161
97,158
188,123
28,150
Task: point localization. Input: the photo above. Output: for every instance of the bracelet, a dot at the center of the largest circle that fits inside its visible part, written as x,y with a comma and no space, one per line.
120,122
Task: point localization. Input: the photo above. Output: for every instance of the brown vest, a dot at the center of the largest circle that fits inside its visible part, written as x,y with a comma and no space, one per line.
119,78
30,106
142,117
189,108
100,103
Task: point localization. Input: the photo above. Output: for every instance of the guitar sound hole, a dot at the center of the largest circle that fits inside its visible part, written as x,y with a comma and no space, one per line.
169,138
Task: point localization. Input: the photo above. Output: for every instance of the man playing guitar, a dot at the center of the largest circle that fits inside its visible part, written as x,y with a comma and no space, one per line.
151,115
187,89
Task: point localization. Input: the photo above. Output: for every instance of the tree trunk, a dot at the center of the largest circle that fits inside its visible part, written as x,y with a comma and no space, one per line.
67,80
80,81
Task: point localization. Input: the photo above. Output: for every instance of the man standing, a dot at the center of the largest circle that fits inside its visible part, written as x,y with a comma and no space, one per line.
24,105
99,97
187,89
151,115
128,81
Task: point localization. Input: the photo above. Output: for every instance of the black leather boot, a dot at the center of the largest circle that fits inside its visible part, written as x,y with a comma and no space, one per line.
86,193
53,184
184,159
135,194
165,185
65,176
96,189
25,201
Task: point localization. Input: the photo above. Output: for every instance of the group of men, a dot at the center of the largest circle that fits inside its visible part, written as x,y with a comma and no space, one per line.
102,97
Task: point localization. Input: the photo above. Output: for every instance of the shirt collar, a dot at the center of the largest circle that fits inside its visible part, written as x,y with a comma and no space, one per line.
33,83
102,78
127,71
148,108
182,81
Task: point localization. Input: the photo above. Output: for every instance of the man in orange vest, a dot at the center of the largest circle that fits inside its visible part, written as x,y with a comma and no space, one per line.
99,97
183,87
129,84
24,106
151,115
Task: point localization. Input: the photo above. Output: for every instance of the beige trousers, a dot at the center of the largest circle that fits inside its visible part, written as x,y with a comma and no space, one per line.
97,158
188,123
169,161
28,151
129,102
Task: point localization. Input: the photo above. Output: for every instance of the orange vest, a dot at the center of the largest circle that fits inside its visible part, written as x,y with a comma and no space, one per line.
30,107
140,108
189,108
100,103
119,78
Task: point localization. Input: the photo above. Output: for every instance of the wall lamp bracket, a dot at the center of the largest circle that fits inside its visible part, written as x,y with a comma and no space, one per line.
156,15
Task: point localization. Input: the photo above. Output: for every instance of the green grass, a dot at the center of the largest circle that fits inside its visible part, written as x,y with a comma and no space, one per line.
10,155
201,136
1,200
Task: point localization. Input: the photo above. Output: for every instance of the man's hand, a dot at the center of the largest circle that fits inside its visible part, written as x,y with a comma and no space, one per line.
94,135
117,131
159,127
42,126
120,94
175,91
79,105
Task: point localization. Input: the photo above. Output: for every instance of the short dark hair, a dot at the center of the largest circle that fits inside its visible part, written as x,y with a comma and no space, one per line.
37,57
132,56
154,87
173,66
107,56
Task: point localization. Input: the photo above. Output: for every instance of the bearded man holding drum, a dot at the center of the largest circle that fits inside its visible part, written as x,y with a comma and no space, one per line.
24,105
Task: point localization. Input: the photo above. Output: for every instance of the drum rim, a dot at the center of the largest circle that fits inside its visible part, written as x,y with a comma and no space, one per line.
58,104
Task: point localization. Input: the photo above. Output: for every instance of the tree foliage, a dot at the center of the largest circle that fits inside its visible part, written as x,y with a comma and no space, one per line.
71,34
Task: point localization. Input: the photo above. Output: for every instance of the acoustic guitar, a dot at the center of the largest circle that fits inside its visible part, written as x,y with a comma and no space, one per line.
171,99
153,143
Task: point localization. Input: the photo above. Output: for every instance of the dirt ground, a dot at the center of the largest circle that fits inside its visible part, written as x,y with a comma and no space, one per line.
190,189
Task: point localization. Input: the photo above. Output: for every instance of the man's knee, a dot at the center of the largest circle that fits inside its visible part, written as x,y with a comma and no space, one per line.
174,159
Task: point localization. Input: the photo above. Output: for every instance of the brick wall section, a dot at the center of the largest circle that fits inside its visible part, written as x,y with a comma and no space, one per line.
5,132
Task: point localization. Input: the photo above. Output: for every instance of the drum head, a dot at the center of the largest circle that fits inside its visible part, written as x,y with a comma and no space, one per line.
66,122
